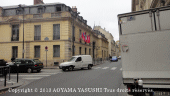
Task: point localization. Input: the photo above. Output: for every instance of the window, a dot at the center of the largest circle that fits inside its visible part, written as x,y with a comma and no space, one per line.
73,34
80,35
37,32
15,33
15,51
78,59
56,31
89,51
56,50
40,10
36,51
58,9
79,50
85,51
19,11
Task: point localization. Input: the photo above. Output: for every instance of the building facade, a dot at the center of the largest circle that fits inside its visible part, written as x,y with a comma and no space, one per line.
118,49
138,5
111,45
25,31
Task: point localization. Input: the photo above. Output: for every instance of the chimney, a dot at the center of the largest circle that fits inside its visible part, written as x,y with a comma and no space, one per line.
38,2
0,11
74,9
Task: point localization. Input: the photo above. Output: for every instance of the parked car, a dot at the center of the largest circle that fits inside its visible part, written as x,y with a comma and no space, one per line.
2,62
27,65
114,58
80,61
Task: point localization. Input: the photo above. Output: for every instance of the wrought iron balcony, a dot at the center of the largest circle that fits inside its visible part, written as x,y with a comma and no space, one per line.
56,37
14,38
37,37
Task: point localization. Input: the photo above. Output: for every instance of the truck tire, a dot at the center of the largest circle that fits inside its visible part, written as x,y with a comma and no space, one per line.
89,66
29,70
70,68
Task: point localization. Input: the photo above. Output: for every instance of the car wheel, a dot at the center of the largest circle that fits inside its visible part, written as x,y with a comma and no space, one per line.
39,70
29,70
70,68
64,69
89,66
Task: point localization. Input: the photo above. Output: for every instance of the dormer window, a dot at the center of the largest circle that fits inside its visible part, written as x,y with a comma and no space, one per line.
40,10
19,11
58,8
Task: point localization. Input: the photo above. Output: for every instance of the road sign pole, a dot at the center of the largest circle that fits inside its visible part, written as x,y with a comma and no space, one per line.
46,49
46,58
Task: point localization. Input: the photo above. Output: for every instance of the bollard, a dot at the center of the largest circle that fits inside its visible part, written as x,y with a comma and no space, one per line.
17,75
9,73
5,73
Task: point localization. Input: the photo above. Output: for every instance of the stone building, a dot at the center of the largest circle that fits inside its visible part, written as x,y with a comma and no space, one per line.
111,45
138,5
25,31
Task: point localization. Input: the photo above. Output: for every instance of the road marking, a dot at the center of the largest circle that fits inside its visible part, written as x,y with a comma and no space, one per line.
31,75
114,68
105,68
10,82
97,67
44,73
121,69
32,78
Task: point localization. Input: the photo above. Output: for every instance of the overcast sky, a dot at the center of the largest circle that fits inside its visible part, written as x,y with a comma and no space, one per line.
101,12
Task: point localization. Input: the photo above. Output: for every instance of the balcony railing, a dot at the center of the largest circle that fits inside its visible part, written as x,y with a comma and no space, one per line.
14,38
56,37
37,37
37,16
55,14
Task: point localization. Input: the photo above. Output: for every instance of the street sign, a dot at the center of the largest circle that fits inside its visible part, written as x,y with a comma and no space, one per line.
46,48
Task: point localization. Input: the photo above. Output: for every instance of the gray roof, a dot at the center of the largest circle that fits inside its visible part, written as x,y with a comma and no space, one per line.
23,5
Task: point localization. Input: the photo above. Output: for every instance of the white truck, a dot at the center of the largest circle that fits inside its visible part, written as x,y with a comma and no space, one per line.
145,51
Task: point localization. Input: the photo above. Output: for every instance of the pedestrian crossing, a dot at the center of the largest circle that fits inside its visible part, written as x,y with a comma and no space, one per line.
35,76
110,68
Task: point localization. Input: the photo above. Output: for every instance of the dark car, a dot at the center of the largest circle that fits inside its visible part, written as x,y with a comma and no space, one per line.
26,65
2,66
114,58
2,62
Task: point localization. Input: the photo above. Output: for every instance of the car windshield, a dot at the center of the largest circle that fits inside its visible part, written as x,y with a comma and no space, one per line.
72,59
37,61
113,56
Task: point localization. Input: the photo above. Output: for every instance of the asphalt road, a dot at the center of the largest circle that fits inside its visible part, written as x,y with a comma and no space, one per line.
101,80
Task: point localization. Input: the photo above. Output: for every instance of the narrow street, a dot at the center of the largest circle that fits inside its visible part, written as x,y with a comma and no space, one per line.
101,80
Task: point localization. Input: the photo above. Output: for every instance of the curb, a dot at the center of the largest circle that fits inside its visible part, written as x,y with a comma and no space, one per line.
13,86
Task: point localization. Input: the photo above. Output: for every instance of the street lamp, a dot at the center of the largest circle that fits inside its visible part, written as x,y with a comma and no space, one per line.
23,29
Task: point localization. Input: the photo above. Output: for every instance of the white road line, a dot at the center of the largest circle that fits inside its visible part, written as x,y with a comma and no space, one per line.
44,73
114,68
105,68
121,69
97,67
31,75
32,78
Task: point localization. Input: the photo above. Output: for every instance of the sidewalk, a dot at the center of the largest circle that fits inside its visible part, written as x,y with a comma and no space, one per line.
51,67
9,84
